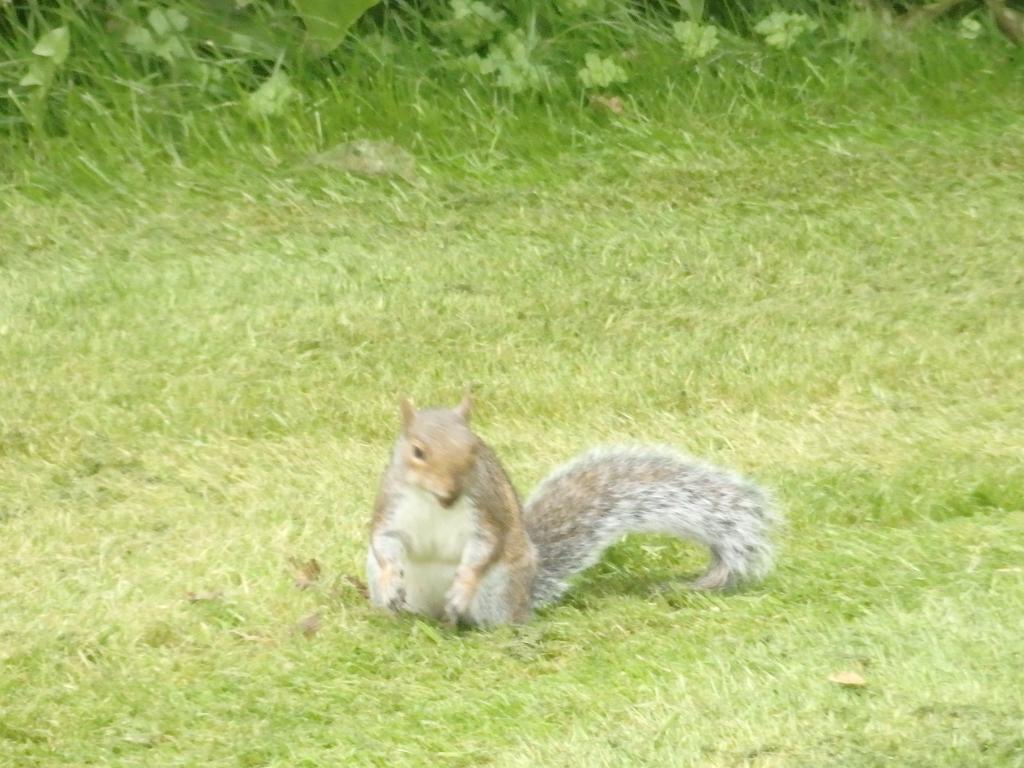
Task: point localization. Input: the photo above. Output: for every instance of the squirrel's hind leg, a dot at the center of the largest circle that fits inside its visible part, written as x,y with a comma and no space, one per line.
504,596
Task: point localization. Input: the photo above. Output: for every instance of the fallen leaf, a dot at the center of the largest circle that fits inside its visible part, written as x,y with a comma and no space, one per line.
847,679
611,103
204,597
358,584
308,573
310,625
250,637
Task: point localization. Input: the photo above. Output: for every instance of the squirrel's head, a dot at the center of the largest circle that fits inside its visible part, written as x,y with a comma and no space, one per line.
437,449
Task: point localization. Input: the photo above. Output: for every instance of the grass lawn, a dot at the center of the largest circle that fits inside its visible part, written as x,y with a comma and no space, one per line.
199,383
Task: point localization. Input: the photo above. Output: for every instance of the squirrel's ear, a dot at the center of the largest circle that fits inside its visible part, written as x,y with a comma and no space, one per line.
408,412
465,406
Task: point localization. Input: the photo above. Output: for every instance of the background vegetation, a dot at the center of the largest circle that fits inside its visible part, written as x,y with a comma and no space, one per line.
782,236
183,82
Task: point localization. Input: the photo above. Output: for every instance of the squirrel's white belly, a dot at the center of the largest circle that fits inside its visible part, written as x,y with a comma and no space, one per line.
435,538
426,585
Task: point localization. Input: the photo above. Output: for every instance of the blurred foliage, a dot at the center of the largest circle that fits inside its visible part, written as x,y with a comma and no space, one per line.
250,52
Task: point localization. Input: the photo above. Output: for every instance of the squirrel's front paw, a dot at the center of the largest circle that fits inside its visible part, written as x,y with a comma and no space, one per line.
453,617
456,606
392,595
395,601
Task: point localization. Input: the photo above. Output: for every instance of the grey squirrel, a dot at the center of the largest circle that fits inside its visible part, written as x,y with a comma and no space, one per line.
449,538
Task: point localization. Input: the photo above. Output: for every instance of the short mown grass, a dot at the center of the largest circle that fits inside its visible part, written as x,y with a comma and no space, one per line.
200,363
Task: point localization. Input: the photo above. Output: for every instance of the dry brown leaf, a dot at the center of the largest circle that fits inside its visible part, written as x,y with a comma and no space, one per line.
847,679
611,103
250,638
358,584
310,625
308,573
204,597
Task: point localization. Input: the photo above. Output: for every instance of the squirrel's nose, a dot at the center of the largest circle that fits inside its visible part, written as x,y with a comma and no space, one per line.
448,499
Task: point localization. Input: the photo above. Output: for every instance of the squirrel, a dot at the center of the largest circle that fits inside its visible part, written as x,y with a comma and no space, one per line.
449,538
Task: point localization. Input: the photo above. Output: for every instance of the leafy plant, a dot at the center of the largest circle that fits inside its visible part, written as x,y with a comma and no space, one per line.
162,38
271,97
782,29
48,55
261,30
267,31
601,72
471,23
328,21
511,63
698,39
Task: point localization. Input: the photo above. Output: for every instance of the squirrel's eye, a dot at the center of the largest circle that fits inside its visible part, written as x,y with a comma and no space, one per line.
418,453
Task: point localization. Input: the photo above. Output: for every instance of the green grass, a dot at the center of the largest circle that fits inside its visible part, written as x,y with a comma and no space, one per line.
200,361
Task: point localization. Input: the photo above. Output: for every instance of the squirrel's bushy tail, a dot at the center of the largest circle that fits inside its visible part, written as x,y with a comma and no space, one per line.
596,499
